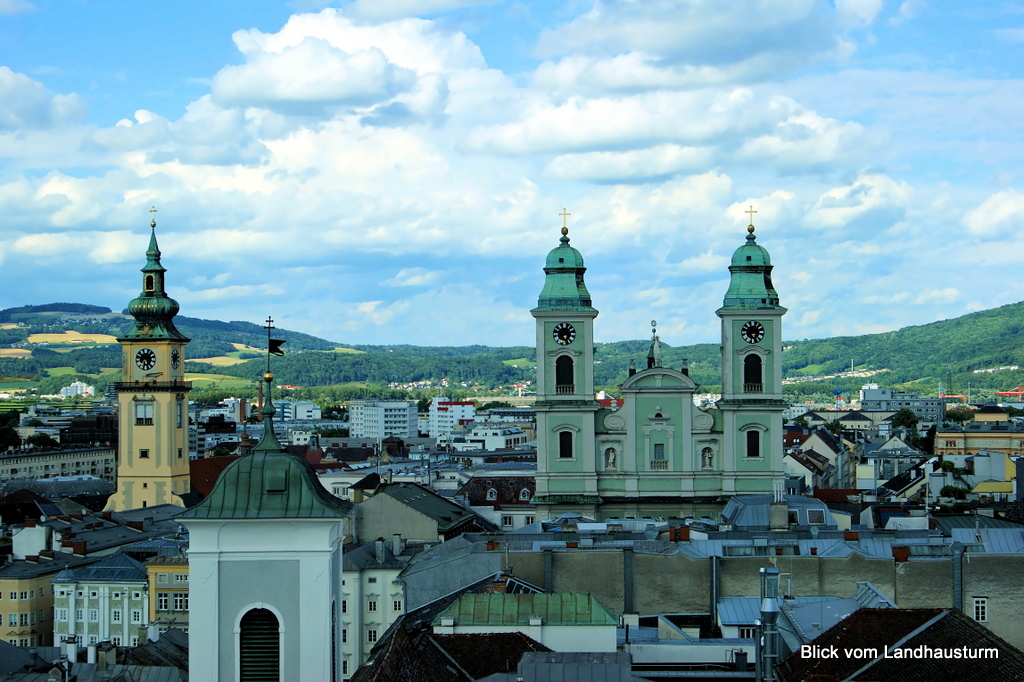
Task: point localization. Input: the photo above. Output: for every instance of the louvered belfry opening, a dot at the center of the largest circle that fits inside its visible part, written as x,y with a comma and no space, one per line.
260,644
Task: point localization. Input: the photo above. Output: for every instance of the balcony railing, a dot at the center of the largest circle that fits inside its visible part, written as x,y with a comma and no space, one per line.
154,386
753,388
659,465
565,389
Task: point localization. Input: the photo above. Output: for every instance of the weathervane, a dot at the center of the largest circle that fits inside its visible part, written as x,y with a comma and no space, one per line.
273,345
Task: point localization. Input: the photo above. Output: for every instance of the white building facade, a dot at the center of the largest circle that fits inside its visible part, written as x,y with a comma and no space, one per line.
382,418
446,414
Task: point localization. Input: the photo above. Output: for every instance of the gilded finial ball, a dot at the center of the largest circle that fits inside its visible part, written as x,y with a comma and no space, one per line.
750,228
565,231
269,376
152,223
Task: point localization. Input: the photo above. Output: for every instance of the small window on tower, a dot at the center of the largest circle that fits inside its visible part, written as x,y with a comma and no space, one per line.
150,283
565,445
143,454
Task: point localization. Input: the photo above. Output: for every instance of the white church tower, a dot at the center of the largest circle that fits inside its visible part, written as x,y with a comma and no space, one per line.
265,570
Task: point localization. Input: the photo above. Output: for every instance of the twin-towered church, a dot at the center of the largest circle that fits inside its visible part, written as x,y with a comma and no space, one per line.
657,455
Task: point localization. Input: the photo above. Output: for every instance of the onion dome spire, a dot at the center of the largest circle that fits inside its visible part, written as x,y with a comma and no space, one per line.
153,309
564,288
750,284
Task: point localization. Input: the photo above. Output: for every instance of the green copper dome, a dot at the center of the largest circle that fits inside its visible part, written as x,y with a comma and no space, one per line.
750,286
153,309
564,288
269,483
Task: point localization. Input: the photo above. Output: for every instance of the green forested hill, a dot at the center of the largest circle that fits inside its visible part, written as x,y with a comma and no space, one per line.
919,355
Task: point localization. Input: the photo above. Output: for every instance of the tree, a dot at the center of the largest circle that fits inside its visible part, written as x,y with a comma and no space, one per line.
41,440
835,426
905,418
801,422
953,491
959,416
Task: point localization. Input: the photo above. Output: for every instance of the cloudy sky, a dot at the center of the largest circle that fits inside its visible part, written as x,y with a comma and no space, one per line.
391,171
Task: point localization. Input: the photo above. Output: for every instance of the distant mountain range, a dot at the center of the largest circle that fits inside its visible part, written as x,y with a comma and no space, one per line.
918,356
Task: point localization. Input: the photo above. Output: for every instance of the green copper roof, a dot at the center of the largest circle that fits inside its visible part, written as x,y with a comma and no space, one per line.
153,309
516,609
564,288
750,286
270,483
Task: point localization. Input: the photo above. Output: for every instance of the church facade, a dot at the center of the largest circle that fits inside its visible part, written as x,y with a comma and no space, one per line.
658,455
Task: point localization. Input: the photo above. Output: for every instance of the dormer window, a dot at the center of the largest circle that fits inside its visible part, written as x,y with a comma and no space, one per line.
492,494
524,495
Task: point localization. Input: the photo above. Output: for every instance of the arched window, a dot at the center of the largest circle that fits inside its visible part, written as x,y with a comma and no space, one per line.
565,445
259,647
524,495
150,283
564,380
753,382
492,494
753,443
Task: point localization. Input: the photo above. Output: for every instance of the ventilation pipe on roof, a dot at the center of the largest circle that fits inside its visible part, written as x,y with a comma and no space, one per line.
768,655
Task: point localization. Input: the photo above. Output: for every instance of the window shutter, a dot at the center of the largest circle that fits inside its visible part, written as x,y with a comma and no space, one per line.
260,646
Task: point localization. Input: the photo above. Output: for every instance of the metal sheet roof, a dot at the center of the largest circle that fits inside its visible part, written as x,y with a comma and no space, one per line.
517,609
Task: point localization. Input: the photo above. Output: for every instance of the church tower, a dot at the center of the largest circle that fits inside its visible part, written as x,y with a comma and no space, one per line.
152,398
265,570
752,403
566,409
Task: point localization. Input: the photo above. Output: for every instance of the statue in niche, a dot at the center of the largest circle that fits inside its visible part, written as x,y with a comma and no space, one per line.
609,458
707,458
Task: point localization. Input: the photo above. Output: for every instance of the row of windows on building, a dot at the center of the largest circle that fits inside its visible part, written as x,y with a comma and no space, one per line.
144,414
371,605
566,450
61,615
93,594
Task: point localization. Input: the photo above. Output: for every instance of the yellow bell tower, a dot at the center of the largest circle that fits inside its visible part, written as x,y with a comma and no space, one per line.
152,398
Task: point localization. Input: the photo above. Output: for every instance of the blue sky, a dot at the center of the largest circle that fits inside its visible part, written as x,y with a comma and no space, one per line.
391,171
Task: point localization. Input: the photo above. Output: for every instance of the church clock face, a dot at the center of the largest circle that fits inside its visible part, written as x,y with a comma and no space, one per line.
752,332
175,358
564,333
145,359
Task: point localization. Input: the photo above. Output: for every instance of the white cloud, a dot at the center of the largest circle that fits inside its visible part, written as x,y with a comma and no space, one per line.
696,31
663,159
413,277
10,7
805,140
868,194
938,296
385,10
1002,211
909,9
312,72
857,13
25,104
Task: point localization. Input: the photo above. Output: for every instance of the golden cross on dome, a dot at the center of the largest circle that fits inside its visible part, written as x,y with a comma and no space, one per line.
564,215
751,212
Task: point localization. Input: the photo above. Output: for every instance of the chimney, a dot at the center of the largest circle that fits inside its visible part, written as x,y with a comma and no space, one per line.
91,654
380,550
106,655
108,515
397,544
770,650
30,523
153,632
